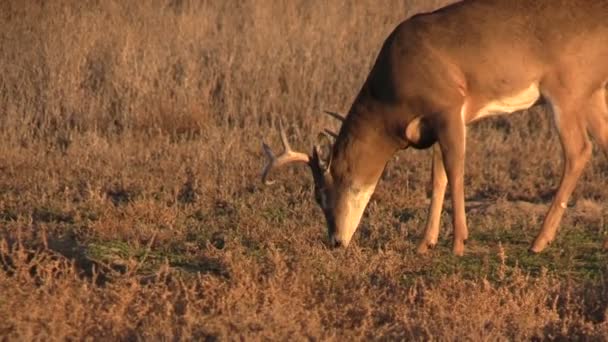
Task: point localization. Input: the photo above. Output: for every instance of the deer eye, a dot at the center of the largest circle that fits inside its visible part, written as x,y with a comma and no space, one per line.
320,197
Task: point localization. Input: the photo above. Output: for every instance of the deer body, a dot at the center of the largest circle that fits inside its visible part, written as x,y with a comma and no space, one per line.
440,71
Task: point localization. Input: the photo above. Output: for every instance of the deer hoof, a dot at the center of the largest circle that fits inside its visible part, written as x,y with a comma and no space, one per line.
458,249
539,245
424,247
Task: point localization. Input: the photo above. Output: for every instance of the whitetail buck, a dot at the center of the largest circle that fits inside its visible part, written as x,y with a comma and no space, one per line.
440,71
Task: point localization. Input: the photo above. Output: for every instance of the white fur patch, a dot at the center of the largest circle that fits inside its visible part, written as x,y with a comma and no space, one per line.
506,105
349,220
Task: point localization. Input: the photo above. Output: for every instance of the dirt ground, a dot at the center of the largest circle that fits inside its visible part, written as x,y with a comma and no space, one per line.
131,206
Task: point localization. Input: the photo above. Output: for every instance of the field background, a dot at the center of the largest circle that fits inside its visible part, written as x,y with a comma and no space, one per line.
131,207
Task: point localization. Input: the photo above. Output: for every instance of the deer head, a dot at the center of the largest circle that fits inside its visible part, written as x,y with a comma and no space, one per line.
341,199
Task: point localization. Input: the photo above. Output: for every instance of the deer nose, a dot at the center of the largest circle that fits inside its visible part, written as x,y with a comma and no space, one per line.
336,243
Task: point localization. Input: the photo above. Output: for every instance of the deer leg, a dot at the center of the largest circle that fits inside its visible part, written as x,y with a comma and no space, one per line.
439,182
451,136
597,123
597,120
576,151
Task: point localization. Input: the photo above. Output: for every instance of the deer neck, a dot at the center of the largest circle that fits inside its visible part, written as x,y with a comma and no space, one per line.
361,151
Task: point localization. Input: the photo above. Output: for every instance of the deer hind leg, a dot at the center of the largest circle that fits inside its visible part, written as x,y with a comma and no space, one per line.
570,120
597,120
597,123
439,183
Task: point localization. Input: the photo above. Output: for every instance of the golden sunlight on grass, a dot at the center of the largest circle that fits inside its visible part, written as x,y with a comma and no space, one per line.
131,206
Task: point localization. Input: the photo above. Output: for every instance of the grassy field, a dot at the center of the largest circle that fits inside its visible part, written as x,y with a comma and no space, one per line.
131,206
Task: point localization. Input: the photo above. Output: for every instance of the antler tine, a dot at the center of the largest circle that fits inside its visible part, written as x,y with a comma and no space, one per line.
335,115
288,156
284,140
331,133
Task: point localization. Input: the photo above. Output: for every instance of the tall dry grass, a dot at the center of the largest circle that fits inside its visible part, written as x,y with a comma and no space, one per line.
130,206
182,66
220,71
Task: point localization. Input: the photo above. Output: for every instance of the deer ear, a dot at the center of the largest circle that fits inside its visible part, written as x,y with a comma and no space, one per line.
322,151
419,133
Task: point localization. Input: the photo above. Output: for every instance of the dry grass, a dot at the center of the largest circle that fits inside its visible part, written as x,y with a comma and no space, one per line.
130,204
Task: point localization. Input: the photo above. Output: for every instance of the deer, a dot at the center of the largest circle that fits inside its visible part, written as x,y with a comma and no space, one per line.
440,71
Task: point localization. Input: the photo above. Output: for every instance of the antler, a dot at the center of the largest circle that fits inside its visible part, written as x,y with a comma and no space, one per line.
335,115
331,133
288,156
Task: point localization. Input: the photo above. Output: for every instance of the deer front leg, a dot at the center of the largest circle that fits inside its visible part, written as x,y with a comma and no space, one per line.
451,136
439,183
